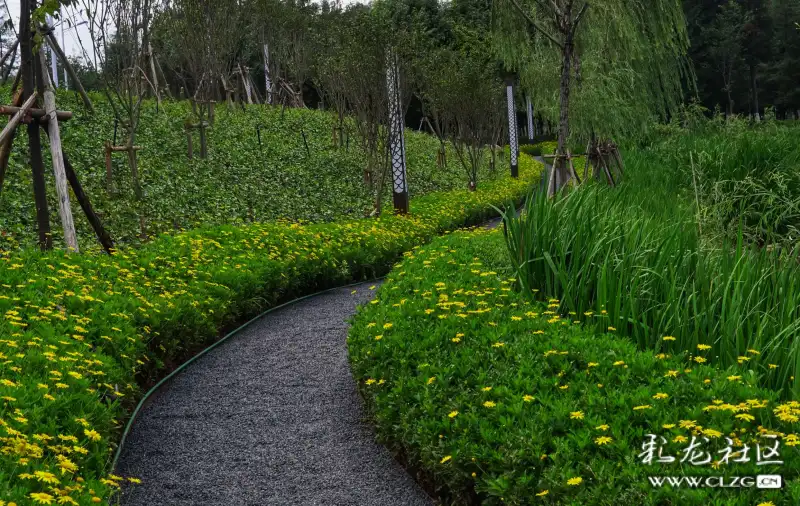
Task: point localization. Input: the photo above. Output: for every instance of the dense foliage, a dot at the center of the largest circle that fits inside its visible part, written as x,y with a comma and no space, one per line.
736,175
493,398
746,54
655,278
79,331
295,171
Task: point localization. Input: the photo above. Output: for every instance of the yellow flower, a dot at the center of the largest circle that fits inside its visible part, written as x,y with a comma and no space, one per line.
679,439
387,326
370,381
700,360
746,417
703,347
671,374
527,398
45,477
639,408
543,493
603,427
456,339
41,498
619,362
576,415
734,378
669,426
773,366
575,481
379,337
602,440
453,414
660,395
445,459
431,379
611,329
668,338
489,404
768,503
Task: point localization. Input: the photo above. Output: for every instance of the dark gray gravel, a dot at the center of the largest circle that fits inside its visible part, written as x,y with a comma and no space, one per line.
270,417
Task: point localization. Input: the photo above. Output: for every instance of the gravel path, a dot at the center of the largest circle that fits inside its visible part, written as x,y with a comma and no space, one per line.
270,417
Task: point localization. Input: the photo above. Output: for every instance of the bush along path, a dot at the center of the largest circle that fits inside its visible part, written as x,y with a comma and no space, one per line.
79,334
495,398
271,416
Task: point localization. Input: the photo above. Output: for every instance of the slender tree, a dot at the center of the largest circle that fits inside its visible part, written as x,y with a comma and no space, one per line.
591,54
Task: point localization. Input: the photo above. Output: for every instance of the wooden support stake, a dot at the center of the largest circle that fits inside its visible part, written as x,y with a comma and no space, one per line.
86,205
64,207
40,114
572,168
11,126
117,149
153,72
51,41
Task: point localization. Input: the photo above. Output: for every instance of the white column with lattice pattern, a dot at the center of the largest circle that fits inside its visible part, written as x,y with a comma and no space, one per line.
397,144
513,141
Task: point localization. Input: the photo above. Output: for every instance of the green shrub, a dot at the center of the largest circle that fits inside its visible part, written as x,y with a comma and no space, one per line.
492,398
79,332
241,181
596,251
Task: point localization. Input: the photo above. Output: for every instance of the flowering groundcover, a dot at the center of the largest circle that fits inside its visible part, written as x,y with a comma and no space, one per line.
79,334
490,397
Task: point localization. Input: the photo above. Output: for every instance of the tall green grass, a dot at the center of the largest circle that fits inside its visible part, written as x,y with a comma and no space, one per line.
616,266
740,175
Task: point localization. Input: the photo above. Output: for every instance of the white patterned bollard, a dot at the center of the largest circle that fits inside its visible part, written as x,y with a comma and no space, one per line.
513,141
397,144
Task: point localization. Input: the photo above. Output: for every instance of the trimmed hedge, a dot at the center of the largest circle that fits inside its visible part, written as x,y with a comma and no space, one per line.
79,332
491,398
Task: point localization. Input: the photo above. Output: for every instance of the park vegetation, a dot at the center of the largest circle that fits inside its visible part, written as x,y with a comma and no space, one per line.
232,154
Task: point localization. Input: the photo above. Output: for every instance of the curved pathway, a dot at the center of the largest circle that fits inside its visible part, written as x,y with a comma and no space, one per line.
270,417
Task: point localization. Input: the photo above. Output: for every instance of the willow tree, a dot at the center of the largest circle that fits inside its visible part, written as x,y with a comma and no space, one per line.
600,70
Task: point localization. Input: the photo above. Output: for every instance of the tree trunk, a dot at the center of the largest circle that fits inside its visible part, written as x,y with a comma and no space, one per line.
64,207
132,161
34,142
5,147
754,91
153,72
559,173
730,103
